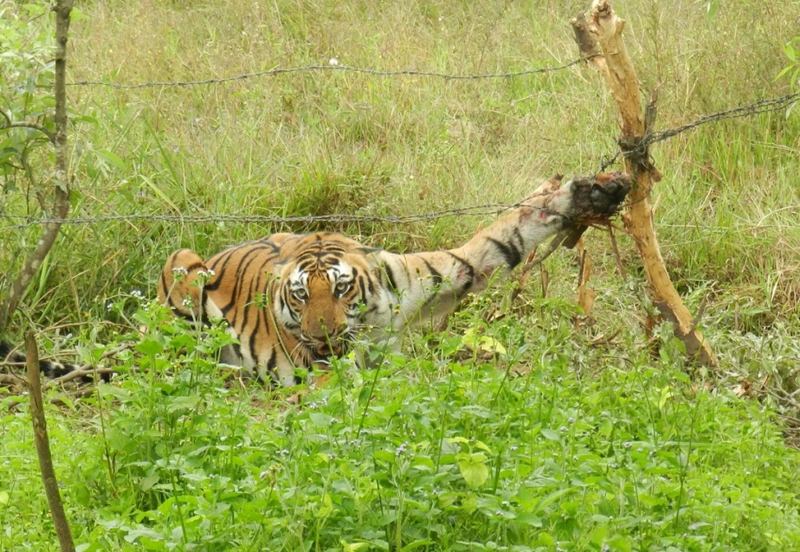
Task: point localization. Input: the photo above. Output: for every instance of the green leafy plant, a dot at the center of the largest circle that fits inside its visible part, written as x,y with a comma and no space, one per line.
26,100
792,70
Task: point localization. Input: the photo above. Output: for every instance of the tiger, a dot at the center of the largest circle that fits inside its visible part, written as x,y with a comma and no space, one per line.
294,301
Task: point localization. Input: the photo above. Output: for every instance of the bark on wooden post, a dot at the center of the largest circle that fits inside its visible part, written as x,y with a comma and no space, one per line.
43,446
60,208
599,37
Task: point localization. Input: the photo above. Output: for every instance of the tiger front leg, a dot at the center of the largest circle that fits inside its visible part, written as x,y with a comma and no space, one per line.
180,286
551,209
433,283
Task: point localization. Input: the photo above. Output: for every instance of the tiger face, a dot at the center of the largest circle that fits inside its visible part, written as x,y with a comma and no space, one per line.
320,298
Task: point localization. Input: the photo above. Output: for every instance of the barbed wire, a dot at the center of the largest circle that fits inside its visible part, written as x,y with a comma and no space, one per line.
640,147
343,218
765,105
477,211
332,67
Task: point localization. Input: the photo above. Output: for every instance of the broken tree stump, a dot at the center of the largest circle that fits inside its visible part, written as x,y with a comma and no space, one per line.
598,33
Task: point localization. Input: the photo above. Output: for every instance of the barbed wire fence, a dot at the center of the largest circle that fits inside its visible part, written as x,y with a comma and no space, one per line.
19,222
333,66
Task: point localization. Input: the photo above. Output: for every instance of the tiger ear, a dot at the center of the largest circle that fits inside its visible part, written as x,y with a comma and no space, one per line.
371,253
275,271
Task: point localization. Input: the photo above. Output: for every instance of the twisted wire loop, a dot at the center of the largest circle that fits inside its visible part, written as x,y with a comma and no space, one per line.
276,71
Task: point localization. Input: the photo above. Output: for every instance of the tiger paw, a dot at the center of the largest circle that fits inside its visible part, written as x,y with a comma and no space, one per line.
594,199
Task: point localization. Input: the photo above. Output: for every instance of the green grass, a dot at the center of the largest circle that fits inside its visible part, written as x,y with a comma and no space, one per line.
606,439
552,444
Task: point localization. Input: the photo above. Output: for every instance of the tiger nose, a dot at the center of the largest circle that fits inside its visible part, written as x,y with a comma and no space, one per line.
328,329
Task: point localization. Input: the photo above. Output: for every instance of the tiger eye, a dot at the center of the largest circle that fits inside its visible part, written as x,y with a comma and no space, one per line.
342,287
300,294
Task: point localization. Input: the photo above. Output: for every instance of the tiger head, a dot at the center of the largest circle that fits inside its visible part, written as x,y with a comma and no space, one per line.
321,290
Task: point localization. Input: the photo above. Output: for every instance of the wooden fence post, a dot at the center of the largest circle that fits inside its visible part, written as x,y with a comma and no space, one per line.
43,446
598,33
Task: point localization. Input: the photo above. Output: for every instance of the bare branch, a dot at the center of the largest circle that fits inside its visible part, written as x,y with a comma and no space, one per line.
50,136
79,373
12,380
535,260
615,249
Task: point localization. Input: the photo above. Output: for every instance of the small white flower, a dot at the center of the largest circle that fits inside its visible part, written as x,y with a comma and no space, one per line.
333,62
187,302
180,271
137,294
109,305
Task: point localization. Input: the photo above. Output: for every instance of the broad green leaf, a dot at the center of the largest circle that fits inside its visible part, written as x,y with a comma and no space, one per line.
666,394
473,469
354,546
177,404
326,508
551,434
150,346
147,482
790,52
546,539
416,544
320,420
112,159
